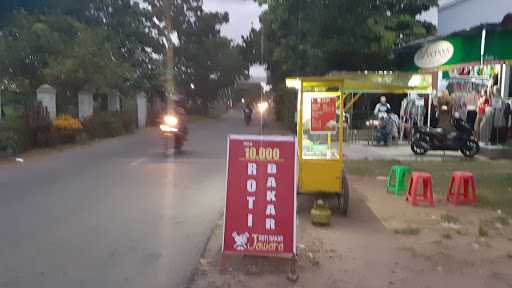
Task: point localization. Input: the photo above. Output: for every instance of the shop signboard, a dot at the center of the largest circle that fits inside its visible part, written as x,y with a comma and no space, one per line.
323,114
434,54
461,48
260,209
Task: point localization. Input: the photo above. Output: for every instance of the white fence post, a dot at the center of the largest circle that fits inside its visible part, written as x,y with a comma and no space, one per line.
85,104
114,102
46,94
142,109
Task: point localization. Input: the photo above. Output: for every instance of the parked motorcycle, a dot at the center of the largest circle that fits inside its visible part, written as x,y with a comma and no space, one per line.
173,133
427,139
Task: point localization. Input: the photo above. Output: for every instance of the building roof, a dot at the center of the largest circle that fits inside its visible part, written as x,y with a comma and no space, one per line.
445,4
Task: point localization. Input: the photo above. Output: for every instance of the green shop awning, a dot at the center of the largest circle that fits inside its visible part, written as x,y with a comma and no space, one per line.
460,48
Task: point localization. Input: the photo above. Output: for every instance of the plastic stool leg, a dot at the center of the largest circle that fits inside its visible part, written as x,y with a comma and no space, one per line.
388,181
457,191
409,191
430,192
466,189
399,184
450,190
413,191
473,191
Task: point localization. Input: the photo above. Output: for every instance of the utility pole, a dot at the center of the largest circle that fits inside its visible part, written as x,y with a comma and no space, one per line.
170,72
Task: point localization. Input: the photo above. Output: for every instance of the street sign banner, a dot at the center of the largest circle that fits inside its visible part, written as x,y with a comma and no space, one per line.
323,115
259,216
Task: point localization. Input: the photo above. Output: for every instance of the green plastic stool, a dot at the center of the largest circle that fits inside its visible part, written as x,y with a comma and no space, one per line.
398,173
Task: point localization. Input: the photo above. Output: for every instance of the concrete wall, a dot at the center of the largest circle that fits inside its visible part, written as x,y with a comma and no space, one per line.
462,14
142,110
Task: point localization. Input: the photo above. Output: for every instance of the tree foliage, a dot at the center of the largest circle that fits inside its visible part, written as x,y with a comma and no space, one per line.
314,37
115,45
207,60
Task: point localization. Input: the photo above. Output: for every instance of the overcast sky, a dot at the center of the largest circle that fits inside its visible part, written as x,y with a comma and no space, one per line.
243,14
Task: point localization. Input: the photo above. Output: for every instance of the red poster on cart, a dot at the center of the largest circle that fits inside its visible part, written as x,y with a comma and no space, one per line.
259,216
323,114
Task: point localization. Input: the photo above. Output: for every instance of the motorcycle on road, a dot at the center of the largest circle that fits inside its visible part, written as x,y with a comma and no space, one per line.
247,115
173,133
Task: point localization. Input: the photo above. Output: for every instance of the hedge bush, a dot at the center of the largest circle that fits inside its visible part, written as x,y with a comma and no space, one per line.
109,124
66,129
9,142
36,130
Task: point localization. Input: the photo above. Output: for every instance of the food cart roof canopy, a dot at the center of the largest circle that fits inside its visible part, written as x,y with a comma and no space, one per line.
365,82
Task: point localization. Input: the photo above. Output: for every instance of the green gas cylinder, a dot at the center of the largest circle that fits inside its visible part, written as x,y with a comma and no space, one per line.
320,213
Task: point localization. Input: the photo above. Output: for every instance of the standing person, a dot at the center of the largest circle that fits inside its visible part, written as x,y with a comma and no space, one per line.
381,108
486,125
395,121
483,103
386,128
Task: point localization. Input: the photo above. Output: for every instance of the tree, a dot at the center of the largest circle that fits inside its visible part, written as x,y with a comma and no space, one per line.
117,45
315,37
202,57
25,48
307,37
206,59
89,60
48,31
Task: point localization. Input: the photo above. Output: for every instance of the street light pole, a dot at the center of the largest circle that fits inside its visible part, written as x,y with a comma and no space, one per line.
170,73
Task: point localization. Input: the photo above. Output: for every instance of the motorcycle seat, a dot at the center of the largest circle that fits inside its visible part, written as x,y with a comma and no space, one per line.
439,131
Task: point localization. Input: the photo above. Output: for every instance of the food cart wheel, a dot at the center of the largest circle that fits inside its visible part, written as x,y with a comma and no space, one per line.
344,196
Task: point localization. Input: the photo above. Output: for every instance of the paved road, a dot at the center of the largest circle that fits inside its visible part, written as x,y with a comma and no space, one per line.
113,214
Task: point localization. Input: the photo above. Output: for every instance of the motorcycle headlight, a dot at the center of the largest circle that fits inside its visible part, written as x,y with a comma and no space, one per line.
170,120
262,107
167,128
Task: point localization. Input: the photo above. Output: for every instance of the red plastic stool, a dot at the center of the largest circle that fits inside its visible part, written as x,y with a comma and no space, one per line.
462,179
427,196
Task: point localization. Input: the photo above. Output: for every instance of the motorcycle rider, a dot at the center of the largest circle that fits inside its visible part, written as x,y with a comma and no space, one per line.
247,109
177,108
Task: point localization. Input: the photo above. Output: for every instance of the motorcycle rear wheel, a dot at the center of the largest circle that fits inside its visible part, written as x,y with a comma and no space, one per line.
471,148
416,148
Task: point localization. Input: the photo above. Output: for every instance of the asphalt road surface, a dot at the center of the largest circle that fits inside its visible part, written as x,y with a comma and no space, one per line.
114,214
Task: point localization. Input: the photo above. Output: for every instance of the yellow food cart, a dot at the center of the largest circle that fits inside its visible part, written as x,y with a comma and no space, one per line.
320,130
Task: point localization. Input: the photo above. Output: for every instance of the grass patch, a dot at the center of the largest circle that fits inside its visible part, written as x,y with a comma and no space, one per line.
450,219
408,231
493,178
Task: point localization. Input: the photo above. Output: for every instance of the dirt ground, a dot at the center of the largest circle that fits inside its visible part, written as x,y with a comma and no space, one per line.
383,242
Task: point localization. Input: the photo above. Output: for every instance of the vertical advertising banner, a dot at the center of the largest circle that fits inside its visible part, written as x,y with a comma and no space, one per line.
323,114
259,216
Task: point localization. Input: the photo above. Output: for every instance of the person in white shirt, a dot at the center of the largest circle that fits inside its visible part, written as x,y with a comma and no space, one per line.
381,108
